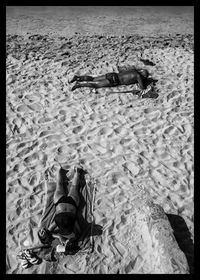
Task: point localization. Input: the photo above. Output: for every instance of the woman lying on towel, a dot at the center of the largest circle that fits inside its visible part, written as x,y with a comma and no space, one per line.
66,211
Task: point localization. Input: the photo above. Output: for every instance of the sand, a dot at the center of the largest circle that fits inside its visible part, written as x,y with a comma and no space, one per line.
125,143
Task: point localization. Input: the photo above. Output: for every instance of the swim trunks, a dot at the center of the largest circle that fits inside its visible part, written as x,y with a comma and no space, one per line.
113,79
66,199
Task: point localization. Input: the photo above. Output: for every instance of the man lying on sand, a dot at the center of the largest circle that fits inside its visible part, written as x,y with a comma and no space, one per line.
66,211
124,77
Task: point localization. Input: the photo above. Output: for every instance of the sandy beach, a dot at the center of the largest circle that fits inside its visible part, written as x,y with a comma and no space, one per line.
128,145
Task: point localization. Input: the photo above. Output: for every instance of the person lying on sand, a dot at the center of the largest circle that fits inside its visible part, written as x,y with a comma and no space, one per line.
124,77
66,211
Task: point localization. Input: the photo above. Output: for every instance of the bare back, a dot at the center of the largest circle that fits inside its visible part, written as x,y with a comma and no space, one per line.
130,77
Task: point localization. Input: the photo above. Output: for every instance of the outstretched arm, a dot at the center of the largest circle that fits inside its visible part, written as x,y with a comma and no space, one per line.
140,82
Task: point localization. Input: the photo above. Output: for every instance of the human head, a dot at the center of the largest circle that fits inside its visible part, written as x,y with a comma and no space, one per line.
65,222
144,73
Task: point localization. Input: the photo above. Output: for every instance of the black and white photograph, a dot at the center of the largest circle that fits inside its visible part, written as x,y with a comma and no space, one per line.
99,139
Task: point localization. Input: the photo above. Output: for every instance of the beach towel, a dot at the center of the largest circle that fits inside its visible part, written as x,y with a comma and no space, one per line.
149,92
85,224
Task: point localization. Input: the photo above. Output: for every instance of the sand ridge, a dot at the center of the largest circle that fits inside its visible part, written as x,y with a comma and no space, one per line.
125,143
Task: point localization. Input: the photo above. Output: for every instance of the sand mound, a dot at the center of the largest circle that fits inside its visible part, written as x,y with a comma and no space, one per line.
125,143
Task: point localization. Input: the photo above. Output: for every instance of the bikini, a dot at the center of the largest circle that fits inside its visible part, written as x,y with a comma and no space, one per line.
66,199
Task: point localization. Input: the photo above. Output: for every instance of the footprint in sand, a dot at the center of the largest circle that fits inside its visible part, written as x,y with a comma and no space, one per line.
35,107
125,141
32,98
186,114
44,120
45,133
140,131
77,129
19,168
34,179
32,204
23,152
62,112
190,100
154,116
19,208
133,168
190,139
171,130
12,216
105,131
172,95
84,149
120,130
149,110
146,122
32,159
55,138
22,108
165,156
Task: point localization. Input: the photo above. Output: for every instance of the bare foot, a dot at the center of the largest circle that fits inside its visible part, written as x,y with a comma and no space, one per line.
75,180
74,79
75,86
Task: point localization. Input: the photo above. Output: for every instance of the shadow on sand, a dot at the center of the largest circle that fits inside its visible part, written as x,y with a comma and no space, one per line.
150,94
183,238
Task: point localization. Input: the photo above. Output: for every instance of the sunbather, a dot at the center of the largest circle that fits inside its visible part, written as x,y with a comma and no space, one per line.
124,77
66,210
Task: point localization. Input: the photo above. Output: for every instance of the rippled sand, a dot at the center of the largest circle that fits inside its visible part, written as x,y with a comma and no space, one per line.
120,139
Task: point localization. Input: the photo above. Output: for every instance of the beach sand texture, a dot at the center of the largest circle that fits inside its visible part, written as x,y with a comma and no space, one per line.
133,148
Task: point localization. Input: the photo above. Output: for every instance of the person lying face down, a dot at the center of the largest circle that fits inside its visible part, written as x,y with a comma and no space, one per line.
124,77
66,210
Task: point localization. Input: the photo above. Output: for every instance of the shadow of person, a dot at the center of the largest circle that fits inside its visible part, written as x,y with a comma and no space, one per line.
150,94
183,238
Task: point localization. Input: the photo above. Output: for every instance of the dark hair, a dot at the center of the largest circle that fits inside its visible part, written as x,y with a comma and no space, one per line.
65,222
144,73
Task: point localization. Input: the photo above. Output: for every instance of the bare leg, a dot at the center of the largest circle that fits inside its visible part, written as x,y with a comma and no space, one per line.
86,78
98,84
99,78
89,78
82,79
60,189
74,190
140,80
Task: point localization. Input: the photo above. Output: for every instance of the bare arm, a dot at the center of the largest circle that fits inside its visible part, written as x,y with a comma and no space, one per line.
52,227
140,81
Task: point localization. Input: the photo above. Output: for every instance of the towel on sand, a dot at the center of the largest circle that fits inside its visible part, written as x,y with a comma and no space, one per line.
84,226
